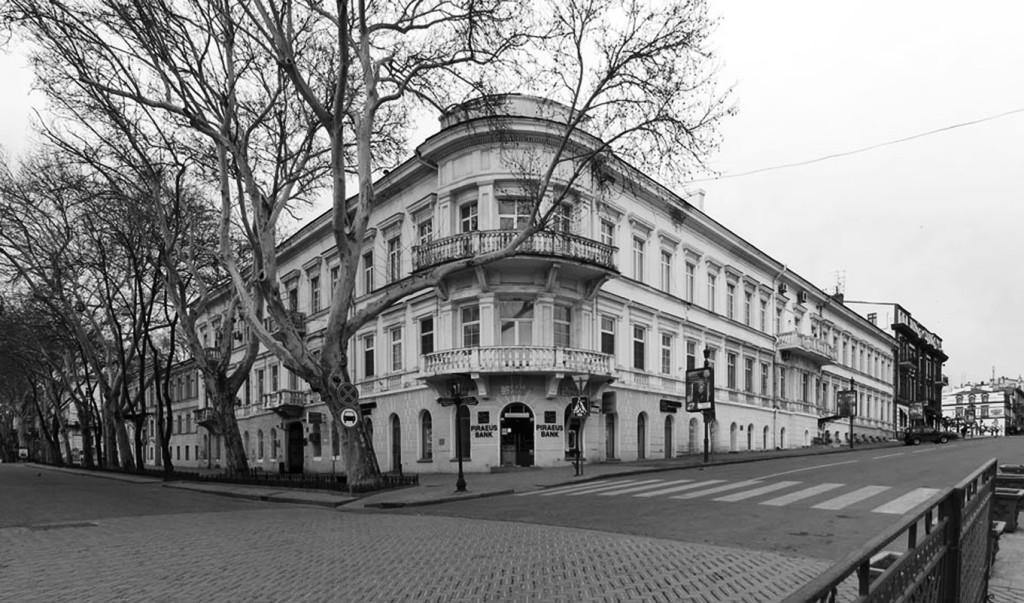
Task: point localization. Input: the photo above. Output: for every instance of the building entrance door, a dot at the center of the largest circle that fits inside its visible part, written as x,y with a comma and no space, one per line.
296,447
609,436
517,435
396,444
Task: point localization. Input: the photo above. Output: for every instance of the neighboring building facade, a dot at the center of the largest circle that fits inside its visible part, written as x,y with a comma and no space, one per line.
620,297
997,407
918,379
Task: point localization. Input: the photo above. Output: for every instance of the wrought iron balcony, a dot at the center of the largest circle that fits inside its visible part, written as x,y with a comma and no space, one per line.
213,354
524,359
288,403
816,350
206,418
547,244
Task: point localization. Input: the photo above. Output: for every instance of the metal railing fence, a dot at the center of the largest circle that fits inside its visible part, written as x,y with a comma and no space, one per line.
940,552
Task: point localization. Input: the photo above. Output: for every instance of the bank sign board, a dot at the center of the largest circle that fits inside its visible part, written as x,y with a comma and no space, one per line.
700,389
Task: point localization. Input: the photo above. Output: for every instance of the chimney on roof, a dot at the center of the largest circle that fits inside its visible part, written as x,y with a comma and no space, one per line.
838,297
696,198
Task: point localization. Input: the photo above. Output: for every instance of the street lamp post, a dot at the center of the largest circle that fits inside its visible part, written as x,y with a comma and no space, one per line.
458,400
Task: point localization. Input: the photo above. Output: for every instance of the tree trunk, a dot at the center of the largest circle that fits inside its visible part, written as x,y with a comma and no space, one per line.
361,468
109,436
124,447
85,422
236,462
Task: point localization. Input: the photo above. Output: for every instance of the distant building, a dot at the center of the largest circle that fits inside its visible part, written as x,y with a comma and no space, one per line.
918,381
997,407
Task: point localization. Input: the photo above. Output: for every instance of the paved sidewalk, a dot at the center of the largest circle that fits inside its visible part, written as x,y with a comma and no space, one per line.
1007,582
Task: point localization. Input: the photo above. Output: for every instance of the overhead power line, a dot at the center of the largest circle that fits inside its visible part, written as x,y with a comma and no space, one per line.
862,149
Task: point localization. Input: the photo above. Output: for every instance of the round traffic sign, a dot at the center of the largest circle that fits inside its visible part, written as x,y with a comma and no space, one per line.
349,417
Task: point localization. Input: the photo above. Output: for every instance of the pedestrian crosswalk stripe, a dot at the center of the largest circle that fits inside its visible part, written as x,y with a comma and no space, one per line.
589,487
716,490
560,489
612,487
850,498
679,488
631,489
906,502
756,491
793,497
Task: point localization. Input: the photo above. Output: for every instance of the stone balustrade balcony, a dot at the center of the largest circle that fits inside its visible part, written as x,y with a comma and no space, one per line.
560,245
816,350
521,359
288,403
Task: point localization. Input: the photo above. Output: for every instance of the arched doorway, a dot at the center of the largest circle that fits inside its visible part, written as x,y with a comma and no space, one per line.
609,436
669,444
782,437
641,436
396,444
694,436
733,433
296,447
517,435
750,436
764,438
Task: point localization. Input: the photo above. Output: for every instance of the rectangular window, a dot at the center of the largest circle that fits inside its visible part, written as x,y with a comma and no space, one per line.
293,380
691,281
468,217
275,379
608,232
514,214
666,271
369,355
748,302
639,347
260,386
607,335
778,321
394,258
470,326
712,291
764,315
314,294
335,273
427,335
396,349
563,326
561,219
516,320
805,384
367,272
730,369
691,355
666,353
730,301
425,230
638,258
293,298
782,383
764,378
748,375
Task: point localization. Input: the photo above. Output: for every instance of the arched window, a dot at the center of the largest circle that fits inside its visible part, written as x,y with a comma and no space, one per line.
188,423
750,436
259,444
426,436
273,443
782,437
178,430
807,438
764,438
641,436
733,433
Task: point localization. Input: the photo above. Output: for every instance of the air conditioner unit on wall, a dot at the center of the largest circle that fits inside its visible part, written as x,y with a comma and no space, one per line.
802,297
783,288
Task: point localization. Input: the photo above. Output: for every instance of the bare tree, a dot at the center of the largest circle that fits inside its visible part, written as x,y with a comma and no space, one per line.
288,92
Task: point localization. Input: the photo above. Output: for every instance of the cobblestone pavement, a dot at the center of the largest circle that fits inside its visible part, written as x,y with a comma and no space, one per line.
288,553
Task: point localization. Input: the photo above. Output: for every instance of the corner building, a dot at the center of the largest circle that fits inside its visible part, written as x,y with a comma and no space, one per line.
619,297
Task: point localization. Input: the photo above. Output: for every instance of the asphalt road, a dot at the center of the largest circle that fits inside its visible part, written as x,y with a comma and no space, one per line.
818,506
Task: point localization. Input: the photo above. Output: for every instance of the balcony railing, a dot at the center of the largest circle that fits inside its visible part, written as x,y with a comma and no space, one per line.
549,244
532,359
205,418
285,397
647,381
812,348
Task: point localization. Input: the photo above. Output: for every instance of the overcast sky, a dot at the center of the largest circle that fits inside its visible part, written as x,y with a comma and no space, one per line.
931,223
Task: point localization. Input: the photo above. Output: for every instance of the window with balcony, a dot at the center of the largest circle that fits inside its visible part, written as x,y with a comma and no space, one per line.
748,374
368,272
516,322
468,217
561,218
730,301
712,291
514,214
470,318
395,257
396,349
427,335
691,355
638,258
424,228
666,354
608,232
563,326
607,335
293,297
275,381
369,355
666,271
314,294
639,347
730,370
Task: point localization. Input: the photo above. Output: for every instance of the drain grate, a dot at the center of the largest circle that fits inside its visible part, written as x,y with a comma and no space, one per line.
61,526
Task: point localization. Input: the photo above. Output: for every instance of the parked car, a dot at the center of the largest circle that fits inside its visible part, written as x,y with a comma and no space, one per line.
916,435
